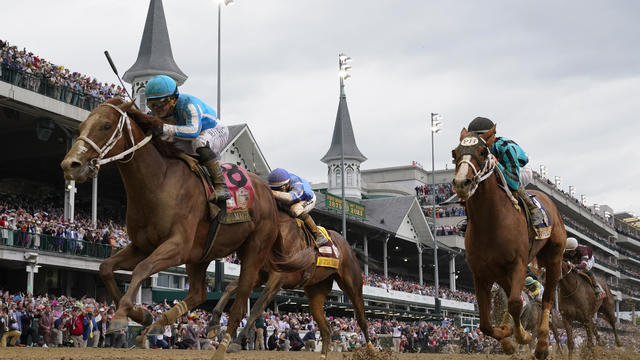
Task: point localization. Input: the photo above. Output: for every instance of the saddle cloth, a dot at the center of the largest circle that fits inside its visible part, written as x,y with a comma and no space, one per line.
328,254
543,230
238,207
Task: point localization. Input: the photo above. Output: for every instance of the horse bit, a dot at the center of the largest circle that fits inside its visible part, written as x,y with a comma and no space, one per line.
95,163
468,146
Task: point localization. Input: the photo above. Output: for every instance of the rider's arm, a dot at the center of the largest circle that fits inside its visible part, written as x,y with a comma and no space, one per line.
294,194
191,129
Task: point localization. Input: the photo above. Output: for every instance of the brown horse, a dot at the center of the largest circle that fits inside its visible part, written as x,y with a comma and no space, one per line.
167,218
316,284
578,302
497,240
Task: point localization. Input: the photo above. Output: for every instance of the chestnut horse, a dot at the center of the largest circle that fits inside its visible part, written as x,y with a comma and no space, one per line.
497,240
167,218
578,302
348,276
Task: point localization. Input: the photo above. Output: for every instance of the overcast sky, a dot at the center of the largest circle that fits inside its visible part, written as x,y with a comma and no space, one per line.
560,78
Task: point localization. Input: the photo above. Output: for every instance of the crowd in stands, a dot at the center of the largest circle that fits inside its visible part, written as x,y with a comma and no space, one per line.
399,284
628,231
426,194
445,212
446,230
583,229
30,71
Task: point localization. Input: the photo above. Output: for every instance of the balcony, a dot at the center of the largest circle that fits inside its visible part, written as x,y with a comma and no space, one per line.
591,241
628,242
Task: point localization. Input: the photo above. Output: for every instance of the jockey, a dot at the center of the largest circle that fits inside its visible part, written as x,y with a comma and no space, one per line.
582,257
192,125
511,158
534,288
289,189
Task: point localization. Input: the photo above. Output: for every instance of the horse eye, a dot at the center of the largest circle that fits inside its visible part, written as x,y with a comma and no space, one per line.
484,152
107,126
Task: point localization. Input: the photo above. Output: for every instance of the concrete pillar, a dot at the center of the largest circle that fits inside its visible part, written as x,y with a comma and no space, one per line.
366,253
69,200
452,272
94,201
139,296
70,280
420,263
617,311
275,306
31,269
384,254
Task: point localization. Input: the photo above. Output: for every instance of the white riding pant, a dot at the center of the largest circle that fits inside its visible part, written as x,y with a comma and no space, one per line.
526,175
216,137
589,263
302,207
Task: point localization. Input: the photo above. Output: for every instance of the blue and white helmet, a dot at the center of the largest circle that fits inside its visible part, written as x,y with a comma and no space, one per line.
278,178
161,86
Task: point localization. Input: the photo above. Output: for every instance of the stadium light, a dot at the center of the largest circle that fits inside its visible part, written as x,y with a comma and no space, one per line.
583,199
558,181
543,171
572,190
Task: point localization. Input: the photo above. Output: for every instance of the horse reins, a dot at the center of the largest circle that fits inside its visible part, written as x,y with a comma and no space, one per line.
574,290
95,163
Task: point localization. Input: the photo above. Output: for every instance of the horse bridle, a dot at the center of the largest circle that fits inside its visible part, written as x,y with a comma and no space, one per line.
95,163
468,146
562,276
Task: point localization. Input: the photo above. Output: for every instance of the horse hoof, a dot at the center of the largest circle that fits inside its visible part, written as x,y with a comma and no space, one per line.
219,354
155,330
507,346
234,348
541,354
140,340
117,325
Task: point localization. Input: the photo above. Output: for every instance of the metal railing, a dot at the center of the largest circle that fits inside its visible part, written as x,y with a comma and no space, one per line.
45,86
55,244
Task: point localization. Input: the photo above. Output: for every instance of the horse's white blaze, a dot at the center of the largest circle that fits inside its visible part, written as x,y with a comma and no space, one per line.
463,170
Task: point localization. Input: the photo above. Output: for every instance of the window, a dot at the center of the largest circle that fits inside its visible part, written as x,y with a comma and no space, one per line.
350,181
338,177
163,280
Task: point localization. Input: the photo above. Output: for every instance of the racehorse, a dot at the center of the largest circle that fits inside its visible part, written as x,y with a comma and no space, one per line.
167,218
316,282
497,240
578,302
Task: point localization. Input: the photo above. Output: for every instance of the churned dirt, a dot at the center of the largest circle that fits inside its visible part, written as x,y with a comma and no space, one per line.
140,354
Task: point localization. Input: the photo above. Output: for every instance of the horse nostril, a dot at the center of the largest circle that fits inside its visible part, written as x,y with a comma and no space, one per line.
75,164
467,182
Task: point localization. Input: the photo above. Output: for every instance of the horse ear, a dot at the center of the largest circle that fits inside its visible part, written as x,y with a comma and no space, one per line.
464,133
127,105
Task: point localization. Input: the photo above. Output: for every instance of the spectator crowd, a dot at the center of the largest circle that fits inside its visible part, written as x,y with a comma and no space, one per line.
25,69
398,284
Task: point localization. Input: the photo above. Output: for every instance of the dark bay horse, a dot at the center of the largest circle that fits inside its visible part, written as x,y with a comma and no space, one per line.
497,240
578,302
167,218
348,276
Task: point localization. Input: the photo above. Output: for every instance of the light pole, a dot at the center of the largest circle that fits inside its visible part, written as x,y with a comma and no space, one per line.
220,2
435,128
344,62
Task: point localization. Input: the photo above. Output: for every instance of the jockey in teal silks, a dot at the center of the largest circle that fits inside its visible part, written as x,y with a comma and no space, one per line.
192,125
295,192
511,158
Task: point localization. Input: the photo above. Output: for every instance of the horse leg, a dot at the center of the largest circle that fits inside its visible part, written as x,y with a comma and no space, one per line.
274,284
554,329
317,293
608,312
515,305
550,284
214,323
484,308
197,274
569,329
125,259
248,275
350,282
163,257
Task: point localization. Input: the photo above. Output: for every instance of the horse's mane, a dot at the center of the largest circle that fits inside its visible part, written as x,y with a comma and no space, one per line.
146,122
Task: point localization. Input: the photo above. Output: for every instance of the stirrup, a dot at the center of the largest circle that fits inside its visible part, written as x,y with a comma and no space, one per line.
536,217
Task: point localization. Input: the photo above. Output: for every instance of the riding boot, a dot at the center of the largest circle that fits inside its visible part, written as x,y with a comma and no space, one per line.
209,159
308,221
596,285
534,211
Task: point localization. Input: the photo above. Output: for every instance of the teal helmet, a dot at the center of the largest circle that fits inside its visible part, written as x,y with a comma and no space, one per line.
529,281
161,86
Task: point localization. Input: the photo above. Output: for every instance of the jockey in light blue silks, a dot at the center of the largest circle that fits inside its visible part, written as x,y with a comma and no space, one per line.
295,192
511,158
191,124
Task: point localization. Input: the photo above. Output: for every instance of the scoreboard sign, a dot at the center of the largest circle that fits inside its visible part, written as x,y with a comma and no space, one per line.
335,203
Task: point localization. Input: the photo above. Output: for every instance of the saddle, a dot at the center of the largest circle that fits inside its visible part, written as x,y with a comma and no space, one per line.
328,254
544,230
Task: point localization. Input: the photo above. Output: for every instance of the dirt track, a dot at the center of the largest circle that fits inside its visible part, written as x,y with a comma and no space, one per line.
139,354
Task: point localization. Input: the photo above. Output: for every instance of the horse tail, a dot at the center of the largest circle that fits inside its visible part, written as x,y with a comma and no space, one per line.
297,262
